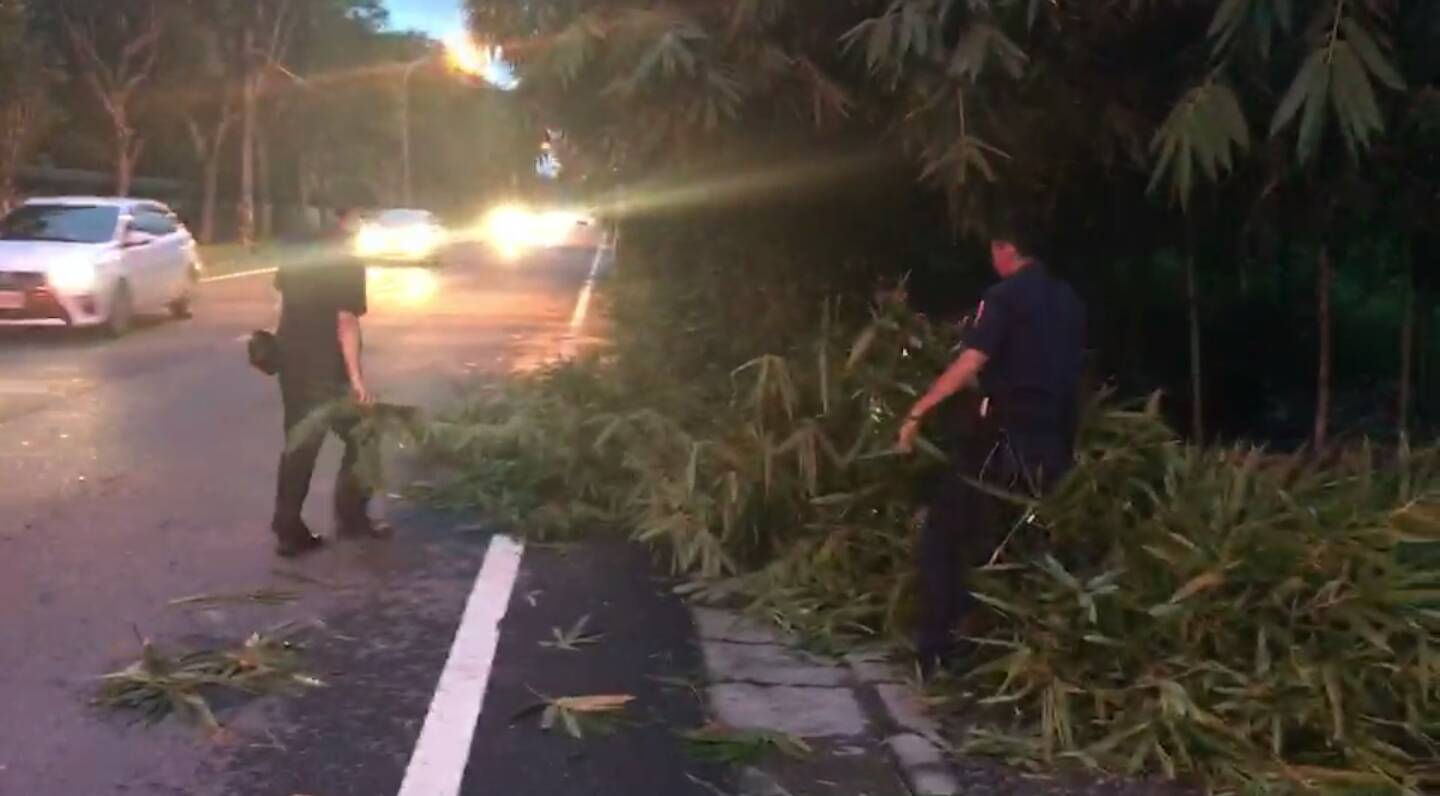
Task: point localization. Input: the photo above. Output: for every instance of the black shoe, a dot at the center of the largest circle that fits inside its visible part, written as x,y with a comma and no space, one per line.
293,545
937,663
364,529
295,538
929,667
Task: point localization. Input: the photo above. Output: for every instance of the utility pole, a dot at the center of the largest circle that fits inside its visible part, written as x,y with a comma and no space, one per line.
406,180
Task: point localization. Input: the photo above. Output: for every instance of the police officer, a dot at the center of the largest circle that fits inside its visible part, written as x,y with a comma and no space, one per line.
1025,352
322,300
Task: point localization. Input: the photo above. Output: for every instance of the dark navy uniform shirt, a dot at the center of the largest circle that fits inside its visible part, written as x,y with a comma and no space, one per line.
1032,327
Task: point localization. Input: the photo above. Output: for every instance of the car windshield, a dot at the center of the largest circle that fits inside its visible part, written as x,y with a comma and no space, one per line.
61,223
403,218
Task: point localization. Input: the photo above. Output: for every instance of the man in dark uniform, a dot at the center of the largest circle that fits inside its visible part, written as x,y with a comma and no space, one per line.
322,299
1025,352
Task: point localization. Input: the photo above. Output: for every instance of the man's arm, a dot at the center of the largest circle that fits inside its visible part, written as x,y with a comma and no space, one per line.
348,329
962,373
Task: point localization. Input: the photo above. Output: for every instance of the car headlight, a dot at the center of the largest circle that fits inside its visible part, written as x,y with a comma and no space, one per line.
418,242
511,229
369,241
73,276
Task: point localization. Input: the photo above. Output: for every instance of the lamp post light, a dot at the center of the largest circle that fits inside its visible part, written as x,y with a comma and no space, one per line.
462,55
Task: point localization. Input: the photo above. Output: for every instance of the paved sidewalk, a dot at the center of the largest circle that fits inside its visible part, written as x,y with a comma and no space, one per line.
866,724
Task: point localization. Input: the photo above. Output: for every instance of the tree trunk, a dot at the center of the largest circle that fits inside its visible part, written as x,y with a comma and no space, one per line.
1422,353
1407,348
249,88
124,166
262,181
212,190
405,176
1197,393
15,128
246,227
1324,275
304,181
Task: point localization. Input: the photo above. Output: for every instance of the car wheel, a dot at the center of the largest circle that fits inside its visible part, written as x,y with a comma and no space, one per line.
122,311
182,308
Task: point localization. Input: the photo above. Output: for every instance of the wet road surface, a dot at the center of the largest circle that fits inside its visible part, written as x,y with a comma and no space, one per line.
138,471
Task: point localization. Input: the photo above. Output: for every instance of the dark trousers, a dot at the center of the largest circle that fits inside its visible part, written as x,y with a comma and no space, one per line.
302,394
964,525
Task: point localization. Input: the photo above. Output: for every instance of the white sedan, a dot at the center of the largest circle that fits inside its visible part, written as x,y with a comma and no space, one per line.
91,261
401,235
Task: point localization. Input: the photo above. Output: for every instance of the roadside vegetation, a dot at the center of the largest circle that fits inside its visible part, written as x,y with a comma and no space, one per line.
1239,189
1221,613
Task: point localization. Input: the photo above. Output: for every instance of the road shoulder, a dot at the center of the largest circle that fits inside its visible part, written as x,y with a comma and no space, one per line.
645,649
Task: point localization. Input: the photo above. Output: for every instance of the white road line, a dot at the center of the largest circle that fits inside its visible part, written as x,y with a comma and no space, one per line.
237,275
437,767
582,304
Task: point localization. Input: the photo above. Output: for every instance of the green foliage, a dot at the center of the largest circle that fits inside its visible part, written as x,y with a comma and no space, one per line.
1225,614
524,452
686,69
1339,72
24,80
1206,129
1135,609
1222,613
374,427
719,744
159,684
779,441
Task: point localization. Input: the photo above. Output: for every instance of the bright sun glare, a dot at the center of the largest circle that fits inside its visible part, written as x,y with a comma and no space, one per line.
468,57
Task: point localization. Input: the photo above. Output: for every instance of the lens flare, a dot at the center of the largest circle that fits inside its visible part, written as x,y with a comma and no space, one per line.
467,56
402,286
511,229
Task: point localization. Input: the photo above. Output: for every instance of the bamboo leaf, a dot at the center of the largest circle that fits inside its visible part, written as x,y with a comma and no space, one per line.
1312,74
572,724
1370,53
1331,678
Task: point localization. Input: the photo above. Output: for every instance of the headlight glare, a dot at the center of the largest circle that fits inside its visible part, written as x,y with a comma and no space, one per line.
73,276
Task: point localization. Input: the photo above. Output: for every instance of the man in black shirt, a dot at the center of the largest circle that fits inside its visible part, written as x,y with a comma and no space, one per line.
1025,352
322,299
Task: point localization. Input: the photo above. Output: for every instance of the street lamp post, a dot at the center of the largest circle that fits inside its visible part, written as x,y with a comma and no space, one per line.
461,54
406,188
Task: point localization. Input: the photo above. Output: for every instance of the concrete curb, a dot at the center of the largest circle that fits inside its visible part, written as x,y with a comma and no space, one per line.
761,680
916,741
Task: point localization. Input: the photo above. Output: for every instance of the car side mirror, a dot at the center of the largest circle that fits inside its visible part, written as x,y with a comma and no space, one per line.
134,237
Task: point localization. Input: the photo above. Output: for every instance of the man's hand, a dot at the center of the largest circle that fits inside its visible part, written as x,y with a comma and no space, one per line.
347,328
909,432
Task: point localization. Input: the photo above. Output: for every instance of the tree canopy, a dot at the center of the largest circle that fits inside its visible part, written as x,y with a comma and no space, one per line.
1247,143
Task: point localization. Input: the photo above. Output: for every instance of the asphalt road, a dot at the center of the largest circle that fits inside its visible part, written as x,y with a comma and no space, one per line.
139,471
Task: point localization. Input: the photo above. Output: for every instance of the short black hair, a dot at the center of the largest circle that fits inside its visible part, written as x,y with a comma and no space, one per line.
1018,231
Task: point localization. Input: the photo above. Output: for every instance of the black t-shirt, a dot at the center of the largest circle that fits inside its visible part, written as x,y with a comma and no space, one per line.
1032,327
315,288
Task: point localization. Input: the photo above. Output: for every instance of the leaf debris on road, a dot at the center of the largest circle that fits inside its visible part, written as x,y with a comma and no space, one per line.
592,713
159,684
258,596
717,743
573,639
301,577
